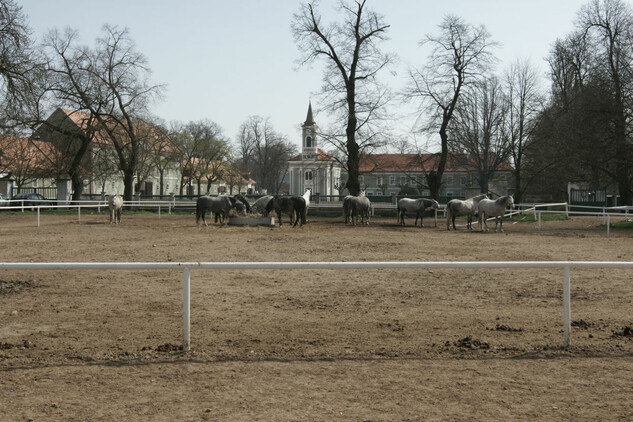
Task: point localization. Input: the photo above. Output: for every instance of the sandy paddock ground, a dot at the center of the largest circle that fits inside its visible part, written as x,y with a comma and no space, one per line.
349,345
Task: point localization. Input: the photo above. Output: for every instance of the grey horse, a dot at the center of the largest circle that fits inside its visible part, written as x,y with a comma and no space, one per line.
218,205
456,207
418,206
355,207
260,205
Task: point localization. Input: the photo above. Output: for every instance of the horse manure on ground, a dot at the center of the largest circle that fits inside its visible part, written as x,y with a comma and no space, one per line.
625,332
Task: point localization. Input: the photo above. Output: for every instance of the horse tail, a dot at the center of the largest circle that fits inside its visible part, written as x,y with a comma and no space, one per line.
304,216
448,217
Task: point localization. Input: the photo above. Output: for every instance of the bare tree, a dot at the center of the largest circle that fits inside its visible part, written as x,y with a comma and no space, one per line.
608,24
21,158
264,152
460,55
353,61
478,138
202,149
525,102
18,59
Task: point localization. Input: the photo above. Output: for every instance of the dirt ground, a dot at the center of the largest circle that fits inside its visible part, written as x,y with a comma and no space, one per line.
321,345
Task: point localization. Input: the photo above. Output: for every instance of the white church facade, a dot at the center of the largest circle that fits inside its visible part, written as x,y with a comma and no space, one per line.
313,168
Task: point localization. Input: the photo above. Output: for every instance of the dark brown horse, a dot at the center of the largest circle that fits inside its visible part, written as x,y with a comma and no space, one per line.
294,206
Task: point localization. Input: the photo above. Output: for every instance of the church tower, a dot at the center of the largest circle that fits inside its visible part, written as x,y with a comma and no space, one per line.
309,135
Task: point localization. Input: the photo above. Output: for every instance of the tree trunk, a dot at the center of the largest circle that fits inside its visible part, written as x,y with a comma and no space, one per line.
128,182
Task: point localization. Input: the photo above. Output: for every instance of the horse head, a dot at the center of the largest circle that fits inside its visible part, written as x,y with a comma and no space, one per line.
510,201
435,204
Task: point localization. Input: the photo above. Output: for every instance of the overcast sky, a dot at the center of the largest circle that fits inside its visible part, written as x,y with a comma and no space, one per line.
225,60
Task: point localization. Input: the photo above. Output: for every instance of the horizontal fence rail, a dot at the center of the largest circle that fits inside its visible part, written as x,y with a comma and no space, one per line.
186,267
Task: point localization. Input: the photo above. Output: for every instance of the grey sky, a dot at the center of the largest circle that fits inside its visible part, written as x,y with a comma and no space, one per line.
226,60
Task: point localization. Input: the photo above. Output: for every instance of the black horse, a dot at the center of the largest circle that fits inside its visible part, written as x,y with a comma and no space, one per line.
294,206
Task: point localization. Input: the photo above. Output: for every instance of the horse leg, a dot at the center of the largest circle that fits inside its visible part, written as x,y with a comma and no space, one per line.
296,217
501,224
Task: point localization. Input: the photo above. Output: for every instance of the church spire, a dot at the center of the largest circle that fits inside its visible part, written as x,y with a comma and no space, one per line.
309,119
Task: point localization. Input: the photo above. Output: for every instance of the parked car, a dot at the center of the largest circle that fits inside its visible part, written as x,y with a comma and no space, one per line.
31,200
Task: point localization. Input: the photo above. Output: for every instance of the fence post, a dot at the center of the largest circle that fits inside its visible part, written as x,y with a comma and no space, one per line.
186,300
566,307
38,216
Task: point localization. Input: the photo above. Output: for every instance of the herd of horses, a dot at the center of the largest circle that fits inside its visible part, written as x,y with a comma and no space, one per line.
355,208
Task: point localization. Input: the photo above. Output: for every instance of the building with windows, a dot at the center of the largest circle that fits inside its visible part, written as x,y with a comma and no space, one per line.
313,168
387,174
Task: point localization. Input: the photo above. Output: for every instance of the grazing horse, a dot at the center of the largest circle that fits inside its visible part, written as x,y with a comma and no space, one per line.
294,206
260,205
418,206
219,205
468,207
494,208
357,206
115,203
247,206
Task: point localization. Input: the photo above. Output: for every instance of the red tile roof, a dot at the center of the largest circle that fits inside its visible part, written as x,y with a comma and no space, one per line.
413,163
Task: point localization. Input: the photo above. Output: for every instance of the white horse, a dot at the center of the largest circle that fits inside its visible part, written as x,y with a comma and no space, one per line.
494,208
115,203
306,196
456,207
418,206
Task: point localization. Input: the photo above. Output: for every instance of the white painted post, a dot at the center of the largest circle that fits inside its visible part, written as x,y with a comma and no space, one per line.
566,307
566,209
159,212
186,301
608,224
38,216
79,213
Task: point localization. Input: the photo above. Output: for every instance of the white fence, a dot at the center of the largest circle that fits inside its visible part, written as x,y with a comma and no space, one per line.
565,266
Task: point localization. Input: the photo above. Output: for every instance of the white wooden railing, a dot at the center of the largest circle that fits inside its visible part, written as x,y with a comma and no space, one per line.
565,266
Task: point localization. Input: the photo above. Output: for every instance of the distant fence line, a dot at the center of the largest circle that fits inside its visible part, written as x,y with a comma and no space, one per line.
537,210
566,267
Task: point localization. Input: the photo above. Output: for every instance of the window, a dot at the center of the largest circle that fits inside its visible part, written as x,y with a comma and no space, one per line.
308,141
403,180
309,175
463,180
361,179
449,180
392,180
413,181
